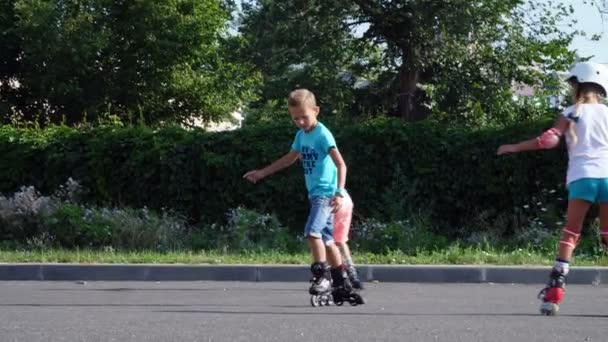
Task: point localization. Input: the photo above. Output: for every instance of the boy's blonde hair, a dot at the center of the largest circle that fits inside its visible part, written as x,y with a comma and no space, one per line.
301,97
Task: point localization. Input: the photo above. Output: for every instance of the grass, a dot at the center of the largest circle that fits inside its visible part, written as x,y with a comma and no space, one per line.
455,255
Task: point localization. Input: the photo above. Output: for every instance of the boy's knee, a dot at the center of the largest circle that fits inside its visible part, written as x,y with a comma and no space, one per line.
312,238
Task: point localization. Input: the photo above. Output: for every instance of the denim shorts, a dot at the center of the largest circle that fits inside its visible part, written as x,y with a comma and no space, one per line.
320,222
589,189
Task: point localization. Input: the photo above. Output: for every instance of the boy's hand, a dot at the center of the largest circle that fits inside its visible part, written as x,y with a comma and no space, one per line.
336,203
504,149
254,176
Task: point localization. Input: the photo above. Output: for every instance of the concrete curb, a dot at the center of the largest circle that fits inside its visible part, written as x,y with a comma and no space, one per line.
293,273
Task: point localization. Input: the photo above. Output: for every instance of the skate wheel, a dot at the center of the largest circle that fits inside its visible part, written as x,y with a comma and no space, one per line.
314,301
338,302
330,300
549,309
324,301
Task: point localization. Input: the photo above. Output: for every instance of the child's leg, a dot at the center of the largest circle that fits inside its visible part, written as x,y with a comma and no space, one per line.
577,210
603,200
320,213
351,270
334,258
317,248
333,255
343,246
553,294
604,224
342,222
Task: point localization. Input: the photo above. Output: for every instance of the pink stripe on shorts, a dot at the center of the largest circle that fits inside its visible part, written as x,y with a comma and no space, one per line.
342,220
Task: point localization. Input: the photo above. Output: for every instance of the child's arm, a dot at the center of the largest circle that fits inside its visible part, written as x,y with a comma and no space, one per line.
281,163
549,139
336,156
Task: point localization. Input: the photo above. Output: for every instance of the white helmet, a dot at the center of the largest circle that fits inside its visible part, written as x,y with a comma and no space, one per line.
589,72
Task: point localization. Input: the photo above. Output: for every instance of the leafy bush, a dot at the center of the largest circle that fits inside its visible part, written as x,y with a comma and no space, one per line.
76,226
30,219
22,215
408,236
395,168
247,230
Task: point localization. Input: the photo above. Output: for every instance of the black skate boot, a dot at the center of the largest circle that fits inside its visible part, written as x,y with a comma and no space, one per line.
320,284
354,278
343,289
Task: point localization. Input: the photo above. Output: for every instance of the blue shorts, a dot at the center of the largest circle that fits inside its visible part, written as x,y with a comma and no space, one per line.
320,222
589,189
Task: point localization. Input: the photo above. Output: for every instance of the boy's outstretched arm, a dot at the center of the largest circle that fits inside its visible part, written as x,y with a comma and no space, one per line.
336,156
279,164
549,139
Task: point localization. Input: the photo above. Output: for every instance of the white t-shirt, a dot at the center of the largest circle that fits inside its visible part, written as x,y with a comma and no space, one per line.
588,158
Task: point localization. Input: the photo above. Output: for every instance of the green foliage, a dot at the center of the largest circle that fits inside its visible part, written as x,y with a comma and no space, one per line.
21,215
408,236
150,60
27,218
270,112
77,226
32,221
457,59
305,44
395,169
518,43
73,226
246,230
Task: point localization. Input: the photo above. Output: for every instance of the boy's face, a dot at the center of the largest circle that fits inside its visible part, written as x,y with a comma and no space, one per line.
304,116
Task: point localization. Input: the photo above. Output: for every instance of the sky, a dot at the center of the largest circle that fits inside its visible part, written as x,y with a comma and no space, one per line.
590,21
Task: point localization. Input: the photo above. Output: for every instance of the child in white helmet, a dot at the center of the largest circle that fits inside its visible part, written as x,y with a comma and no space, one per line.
585,127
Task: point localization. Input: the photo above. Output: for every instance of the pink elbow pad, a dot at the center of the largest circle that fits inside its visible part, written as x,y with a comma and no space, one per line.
549,138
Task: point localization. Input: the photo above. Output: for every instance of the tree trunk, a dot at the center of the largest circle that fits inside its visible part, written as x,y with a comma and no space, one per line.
408,78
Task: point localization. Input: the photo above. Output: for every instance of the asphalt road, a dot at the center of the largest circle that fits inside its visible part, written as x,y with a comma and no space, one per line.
247,311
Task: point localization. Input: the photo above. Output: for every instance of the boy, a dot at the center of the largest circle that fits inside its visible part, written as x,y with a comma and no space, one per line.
325,176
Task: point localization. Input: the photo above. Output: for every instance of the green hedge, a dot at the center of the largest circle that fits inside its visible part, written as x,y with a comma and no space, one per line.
394,169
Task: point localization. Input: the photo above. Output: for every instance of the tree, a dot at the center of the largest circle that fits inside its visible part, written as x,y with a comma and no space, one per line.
602,6
474,78
156,60
9,55
431,38
457,56
305,43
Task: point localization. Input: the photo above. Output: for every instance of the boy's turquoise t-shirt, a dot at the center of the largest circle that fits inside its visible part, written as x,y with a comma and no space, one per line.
320,172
